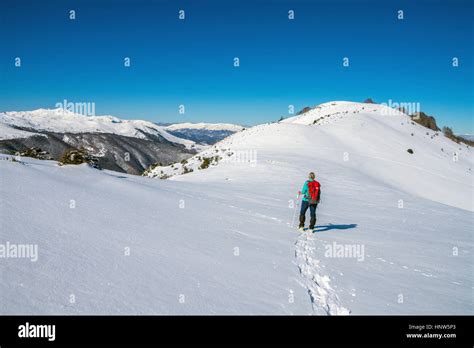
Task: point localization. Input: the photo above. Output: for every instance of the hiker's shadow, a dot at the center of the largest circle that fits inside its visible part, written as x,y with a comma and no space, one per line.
329,227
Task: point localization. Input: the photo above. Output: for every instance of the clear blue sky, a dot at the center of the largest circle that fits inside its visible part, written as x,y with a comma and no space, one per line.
282,62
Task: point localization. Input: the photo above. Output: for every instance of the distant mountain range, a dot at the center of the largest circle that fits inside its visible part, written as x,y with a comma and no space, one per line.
122,145
469,137
203,133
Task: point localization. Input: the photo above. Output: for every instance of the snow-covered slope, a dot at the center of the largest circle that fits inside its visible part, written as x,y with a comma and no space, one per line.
132,245
9,132
223,240
64,121
370,139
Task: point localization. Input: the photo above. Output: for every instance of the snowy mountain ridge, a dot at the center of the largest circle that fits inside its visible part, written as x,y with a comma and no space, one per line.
370,138
330,112
9,132
128,146
64,121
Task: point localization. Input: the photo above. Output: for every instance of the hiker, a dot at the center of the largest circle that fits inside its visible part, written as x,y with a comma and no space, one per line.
311,196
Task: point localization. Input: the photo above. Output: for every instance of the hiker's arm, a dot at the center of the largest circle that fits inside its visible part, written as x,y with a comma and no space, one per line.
304,190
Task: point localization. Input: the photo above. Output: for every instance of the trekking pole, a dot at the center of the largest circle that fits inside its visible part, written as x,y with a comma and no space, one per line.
295,209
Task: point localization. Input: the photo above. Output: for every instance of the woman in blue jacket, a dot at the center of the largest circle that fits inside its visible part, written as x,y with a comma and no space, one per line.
311,196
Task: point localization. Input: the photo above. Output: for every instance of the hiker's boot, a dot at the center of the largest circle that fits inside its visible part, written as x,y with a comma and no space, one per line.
302,218
312,223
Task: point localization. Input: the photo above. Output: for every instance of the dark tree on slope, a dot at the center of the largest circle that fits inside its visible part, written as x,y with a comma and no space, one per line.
448,132
79,156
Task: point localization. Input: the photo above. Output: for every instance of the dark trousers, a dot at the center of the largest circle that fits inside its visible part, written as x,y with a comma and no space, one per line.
312,209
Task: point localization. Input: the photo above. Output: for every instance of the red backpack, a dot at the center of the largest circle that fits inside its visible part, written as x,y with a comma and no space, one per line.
314,191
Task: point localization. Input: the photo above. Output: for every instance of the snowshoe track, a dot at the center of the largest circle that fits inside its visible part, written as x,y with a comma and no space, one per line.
323,297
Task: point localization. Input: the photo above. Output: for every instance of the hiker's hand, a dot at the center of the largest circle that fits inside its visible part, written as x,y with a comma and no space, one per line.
299,193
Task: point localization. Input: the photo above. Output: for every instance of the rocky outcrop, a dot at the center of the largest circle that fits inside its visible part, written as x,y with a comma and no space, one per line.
35,152
305,109
425,120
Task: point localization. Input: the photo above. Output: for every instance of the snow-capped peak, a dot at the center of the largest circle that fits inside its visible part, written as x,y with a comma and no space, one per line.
331,111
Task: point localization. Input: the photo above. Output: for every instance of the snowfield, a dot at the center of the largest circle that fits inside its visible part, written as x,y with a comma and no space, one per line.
393,236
